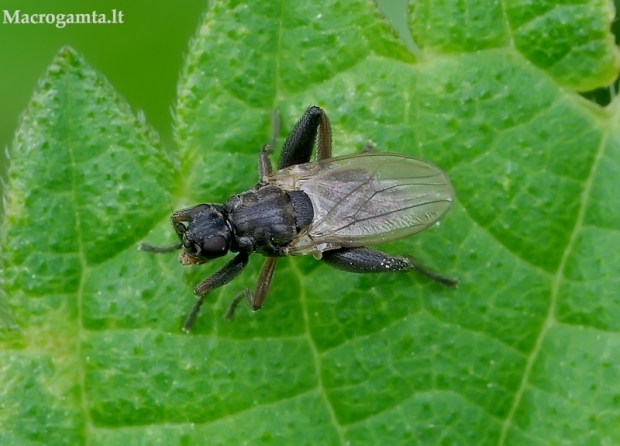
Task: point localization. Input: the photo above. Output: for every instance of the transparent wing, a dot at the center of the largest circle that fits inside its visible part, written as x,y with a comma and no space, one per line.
367,199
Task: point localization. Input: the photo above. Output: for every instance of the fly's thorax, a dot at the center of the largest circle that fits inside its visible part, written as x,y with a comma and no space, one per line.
262,220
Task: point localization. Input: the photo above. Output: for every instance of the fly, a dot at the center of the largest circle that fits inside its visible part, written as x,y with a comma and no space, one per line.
332,209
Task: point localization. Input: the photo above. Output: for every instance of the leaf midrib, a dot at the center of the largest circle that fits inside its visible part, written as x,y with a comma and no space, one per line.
81,372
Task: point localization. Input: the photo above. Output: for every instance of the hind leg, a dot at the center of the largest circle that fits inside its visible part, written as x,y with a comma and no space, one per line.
366,260
313,127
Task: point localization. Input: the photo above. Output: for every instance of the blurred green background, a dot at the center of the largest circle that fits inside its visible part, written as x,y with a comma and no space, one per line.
141,58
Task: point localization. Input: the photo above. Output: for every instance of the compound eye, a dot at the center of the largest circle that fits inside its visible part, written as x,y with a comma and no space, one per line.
214,246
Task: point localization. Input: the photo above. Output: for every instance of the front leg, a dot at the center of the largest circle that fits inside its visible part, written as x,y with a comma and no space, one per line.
299,144
219,278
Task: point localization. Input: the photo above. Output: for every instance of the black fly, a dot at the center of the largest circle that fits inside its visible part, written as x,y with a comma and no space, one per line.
332,208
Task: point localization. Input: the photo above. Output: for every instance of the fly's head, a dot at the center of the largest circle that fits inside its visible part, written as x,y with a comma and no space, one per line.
204,233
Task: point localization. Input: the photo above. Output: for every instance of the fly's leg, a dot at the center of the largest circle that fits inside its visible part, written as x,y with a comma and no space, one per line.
275,127
255,300
264,163
230,313
313,126
221,277
264,282
366,260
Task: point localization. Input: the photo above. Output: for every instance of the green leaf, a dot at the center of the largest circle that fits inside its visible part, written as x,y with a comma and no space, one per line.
524,351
